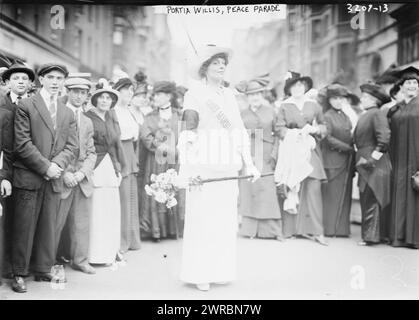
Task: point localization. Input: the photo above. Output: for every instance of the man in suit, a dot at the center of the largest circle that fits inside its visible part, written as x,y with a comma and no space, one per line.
18,78
6,145
45,144
76,201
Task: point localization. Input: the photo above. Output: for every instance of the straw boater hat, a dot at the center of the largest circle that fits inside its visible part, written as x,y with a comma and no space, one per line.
18,67
293,77
376,91
336,90
77,83
205,54
104,88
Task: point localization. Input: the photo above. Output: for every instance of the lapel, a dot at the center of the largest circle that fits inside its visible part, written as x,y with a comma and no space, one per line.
60,118
44,112
82,130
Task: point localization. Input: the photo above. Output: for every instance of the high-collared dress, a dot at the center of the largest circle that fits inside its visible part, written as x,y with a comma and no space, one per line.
337,150
105,220
159,136
404,152
309,219
258,202
130,222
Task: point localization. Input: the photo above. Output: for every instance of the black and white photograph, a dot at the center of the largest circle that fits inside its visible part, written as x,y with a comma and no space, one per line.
209,152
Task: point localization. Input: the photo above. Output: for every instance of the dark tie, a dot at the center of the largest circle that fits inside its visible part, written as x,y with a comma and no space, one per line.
18,99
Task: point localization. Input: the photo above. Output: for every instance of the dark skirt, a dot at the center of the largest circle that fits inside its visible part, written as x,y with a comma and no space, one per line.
130,222
337,192
128,192
310,211
261,228
156,220
258,202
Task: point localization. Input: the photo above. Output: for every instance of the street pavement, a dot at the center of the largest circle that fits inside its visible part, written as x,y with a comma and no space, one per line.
267,269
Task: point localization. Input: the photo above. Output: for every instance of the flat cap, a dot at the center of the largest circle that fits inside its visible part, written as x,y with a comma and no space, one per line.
48,67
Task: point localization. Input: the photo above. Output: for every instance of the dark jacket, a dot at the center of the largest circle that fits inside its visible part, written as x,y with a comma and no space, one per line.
6,143
106,138
338,144
373,133
37,144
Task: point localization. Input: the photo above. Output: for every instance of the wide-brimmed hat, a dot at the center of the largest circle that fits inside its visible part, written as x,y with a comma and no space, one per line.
181,90
77,83
18,67
336,90
205,54
165,86
408,73
376,91
257,84
390,75
122,83
48,67
107,89
292,78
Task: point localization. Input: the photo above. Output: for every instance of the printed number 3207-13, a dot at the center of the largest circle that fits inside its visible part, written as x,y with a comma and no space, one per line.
366,8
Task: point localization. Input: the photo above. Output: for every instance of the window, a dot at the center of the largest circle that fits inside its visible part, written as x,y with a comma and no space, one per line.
292,21
36,21
97,18
325,25
89,50
343,14
90,13
408,46
118,36
316,31
18,13
332,59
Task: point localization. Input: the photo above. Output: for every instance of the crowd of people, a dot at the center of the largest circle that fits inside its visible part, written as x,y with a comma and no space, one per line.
76,157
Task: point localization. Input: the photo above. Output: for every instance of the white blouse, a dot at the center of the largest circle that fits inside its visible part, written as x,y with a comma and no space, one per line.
127,123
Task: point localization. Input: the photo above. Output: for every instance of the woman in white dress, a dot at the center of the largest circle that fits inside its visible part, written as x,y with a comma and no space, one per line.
105,221
213,144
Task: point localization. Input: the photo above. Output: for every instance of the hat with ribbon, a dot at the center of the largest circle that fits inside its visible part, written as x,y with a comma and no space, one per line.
104,87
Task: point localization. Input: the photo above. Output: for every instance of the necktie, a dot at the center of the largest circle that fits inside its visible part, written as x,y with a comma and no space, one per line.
53,111
77,113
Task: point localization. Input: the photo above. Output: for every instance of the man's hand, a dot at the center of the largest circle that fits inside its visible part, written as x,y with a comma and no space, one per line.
79,176
6,188
70,180
54,171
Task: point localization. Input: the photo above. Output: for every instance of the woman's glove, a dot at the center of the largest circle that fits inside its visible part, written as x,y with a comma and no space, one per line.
253,171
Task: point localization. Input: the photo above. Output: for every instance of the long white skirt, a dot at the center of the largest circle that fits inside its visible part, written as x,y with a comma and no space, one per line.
105,220
210,234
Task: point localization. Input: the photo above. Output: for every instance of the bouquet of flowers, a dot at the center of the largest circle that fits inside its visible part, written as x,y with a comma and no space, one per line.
163,187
